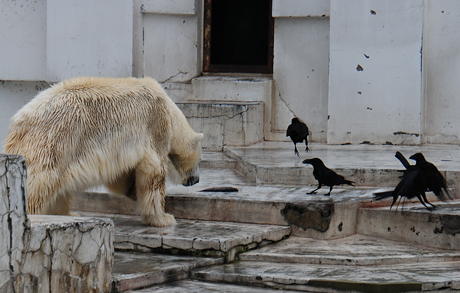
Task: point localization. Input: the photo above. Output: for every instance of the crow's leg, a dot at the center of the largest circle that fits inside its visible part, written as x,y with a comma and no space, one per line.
306,146
421,200
296,152
330,189
314,191
424,198
394,200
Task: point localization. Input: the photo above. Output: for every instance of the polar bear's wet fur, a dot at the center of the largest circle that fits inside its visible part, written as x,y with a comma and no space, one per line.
125,133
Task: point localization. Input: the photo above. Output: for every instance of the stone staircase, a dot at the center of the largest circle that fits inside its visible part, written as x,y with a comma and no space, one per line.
271,235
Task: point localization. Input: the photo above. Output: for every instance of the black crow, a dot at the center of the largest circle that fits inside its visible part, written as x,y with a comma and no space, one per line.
325,176
298,132
417,180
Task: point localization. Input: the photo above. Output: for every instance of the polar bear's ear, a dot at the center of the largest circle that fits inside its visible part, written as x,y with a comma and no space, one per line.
198,138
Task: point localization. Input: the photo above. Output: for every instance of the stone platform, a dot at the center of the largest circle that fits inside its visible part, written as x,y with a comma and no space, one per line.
346,242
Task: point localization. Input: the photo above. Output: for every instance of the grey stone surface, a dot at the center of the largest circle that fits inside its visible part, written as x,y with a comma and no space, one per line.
413,223
134,270
14,224
320,278
192,235
367,165
67,254
352,250
202,287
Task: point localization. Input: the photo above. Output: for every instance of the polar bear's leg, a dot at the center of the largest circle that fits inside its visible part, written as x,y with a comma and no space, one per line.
60,206
151,191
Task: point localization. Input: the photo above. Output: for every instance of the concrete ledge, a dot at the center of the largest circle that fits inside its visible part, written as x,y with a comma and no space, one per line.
414,224
138,270
328,278
67,254
349,251
221,239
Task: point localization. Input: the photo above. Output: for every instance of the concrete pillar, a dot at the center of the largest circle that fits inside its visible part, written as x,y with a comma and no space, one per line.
14,224
40,253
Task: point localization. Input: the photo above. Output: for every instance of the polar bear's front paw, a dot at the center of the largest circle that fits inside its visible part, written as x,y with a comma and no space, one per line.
163,220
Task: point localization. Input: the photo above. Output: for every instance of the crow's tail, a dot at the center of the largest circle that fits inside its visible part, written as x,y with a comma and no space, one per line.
382,195
352,183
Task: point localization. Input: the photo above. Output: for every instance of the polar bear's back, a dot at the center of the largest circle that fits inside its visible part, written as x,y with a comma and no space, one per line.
105,117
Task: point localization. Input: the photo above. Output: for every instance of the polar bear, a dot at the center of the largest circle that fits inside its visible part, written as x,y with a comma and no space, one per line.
125,133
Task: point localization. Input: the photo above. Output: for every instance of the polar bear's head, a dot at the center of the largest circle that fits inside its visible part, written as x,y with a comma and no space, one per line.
183,161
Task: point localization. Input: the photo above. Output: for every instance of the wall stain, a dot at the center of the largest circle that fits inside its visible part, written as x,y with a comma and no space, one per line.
309,216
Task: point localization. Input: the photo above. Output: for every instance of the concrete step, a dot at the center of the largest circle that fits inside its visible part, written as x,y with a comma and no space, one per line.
315,216
412,277
367,165
350,251
347,211
414,224
193,286
192,237
139,270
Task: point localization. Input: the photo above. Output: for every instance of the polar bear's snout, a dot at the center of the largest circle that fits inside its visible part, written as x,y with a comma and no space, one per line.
192,180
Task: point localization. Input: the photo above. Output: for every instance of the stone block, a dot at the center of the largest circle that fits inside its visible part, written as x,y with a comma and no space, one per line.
226,123
67,254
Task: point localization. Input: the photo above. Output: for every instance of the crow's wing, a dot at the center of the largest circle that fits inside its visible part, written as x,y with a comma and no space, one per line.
411,184
301,129
403,160
435,181
291,132
331,178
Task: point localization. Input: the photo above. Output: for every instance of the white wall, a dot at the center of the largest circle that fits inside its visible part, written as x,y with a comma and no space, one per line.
384,99
441,67
14,95
89,37
172,44
23,40
318,45
300,74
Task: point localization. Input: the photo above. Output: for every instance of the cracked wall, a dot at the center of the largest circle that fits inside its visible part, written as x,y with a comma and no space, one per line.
65,254
13,221
225,123
49,253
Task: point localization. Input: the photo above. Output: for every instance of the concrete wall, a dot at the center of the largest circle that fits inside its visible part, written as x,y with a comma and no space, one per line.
54,40
23,40
14,95
353,70
441,71
89,37
300,73
375,71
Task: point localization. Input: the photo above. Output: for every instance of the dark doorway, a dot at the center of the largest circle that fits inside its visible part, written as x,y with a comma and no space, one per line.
238,36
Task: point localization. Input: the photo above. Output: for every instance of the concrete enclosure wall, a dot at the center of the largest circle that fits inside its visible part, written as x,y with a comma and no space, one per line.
375,71
368,70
